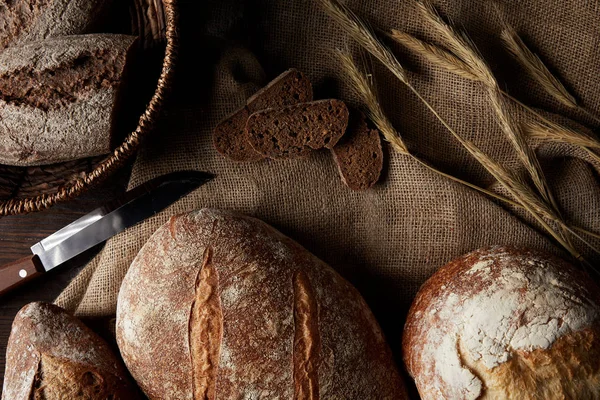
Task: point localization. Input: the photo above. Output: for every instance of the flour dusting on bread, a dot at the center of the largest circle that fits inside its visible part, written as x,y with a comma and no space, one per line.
498,303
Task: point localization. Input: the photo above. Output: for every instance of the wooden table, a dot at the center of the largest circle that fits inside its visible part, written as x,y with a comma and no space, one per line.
18,233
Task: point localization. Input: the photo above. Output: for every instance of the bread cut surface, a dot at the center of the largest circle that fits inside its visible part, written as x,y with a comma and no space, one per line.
358,155
505,323
295,131
271,320
51,355
24,21
229,138
59,97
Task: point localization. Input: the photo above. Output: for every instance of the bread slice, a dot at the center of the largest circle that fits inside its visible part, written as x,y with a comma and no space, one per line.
229,139
358,155
291,87
53,355
294,131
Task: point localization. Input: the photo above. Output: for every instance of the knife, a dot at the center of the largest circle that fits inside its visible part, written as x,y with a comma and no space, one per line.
101,224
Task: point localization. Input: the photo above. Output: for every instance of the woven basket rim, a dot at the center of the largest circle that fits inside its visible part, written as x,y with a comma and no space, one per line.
130,144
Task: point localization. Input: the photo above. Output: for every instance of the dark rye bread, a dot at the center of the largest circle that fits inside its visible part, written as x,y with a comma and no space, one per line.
51,355
24,21
291,87
358,154
244,312
295,131
59,98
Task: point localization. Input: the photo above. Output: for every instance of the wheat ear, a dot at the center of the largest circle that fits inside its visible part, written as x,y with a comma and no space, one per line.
549,130
364,36
459,44
436,55
538,70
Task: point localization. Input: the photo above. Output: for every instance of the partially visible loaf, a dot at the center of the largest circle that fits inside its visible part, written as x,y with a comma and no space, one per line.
229,138
23,21
51,355
505,323
358,155
244,312
295,131
59,98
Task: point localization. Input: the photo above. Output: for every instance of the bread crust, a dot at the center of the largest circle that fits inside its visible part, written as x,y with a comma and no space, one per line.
263,277
481,317
51,355
58,97
23,21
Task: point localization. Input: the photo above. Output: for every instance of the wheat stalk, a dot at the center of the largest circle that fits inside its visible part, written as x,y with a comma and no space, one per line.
528,199
436,55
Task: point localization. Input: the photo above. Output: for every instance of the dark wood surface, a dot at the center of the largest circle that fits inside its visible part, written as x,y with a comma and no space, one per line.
18,233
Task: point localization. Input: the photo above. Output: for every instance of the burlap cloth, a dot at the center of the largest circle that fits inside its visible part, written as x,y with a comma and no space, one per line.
387,241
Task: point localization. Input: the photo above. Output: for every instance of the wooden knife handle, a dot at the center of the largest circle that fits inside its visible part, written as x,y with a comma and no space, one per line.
17,273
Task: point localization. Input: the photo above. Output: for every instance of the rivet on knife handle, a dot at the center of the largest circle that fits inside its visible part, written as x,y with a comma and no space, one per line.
18,272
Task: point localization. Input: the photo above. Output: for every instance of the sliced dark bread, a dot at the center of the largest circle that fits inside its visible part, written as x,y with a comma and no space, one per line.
358,155
229,139
291,87
295,131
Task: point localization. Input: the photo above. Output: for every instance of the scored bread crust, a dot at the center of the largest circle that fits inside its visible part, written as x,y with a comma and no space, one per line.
59,97
51,355
288,325
505,323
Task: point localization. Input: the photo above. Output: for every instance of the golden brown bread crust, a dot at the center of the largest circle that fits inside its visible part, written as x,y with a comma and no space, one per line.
52,355
291,326
503,323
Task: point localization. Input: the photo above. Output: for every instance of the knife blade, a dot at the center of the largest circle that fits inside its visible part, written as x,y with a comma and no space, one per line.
101,224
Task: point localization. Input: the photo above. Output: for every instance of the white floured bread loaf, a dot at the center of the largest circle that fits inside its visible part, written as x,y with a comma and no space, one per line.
60,98
222,306
504,323
51,355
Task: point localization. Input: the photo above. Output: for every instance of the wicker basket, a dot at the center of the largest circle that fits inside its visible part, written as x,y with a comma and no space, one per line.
28,189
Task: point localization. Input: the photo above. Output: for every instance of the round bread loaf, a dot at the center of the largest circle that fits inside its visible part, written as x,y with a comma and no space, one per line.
52,355
505,323
221,306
